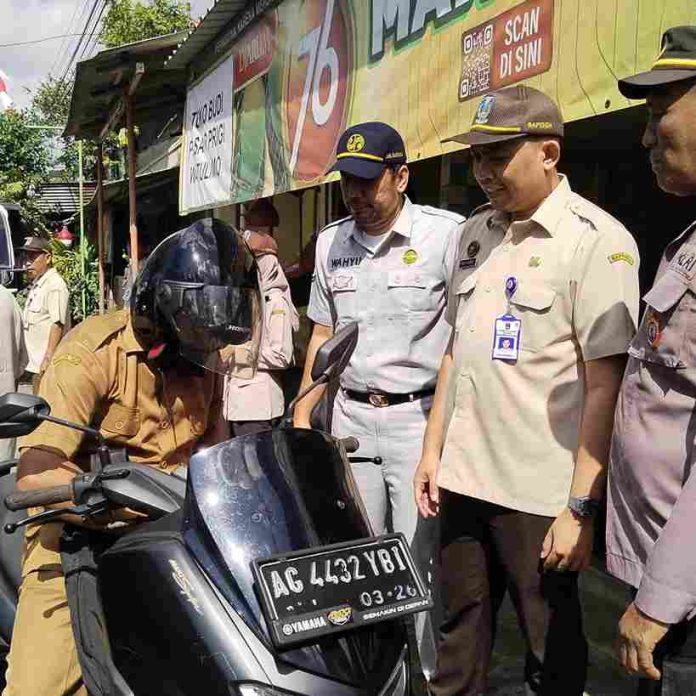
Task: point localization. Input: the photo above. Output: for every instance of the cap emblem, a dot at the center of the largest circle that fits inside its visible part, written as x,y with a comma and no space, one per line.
484,109
355,143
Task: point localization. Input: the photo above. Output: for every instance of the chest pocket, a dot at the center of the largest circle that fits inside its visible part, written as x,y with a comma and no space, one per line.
34,304
121,422
344,288
410,290
664,337
462,293
533,303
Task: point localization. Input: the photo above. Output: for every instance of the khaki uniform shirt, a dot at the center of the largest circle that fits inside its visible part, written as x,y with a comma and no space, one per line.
47,304
512,428
261,397
99,376
651,506
396,292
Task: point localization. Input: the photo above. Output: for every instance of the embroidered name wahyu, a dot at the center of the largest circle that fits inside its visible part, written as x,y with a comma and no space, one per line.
346,262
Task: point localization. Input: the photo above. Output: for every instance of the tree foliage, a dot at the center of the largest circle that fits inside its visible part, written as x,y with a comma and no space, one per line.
128,21
68,263
24,162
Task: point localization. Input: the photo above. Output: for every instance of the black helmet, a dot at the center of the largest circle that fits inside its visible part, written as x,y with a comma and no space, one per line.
198,290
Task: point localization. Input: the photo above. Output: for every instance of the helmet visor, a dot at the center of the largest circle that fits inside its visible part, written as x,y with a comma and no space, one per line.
218,326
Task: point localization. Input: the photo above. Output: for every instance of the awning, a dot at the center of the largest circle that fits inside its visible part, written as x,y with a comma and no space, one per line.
100,82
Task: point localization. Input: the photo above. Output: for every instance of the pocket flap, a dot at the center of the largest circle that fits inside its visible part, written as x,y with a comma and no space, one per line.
406,279
467,285
536,297
121,420
344,282
666,292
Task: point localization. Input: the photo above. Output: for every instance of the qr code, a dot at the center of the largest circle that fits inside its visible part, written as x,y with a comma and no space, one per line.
477,58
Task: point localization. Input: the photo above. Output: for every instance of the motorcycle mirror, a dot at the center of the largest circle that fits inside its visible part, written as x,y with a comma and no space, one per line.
20,414
333,355
331,358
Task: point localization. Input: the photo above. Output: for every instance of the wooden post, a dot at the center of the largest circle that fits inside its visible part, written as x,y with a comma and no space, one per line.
132,163
100,224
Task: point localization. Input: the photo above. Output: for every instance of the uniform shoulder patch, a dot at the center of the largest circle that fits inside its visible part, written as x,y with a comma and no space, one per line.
441,212
67,358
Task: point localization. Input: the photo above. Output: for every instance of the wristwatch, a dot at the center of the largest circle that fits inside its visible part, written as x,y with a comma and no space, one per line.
583,507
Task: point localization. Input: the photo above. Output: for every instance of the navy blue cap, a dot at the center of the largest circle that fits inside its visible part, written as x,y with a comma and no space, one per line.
364,150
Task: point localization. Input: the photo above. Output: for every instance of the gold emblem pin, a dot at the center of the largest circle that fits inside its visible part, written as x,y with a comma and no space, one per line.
535,261
410,256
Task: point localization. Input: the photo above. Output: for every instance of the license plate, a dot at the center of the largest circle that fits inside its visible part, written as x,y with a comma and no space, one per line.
329,589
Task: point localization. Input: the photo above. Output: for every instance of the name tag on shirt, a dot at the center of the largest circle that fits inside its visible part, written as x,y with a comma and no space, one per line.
506,339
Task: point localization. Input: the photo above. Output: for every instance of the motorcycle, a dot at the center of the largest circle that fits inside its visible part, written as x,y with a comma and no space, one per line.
256,574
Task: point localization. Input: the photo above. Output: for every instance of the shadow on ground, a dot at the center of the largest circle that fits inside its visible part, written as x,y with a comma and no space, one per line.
604,600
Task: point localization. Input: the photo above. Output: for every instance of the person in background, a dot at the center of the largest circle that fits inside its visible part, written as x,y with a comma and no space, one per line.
541,311
256,404
13,357
45,315
651,506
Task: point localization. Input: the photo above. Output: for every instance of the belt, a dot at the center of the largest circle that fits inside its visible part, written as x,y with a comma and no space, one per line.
381,399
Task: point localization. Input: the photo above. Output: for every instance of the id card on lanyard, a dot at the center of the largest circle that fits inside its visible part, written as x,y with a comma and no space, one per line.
508,329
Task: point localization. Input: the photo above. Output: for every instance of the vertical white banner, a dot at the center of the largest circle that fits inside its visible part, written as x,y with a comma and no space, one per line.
206,169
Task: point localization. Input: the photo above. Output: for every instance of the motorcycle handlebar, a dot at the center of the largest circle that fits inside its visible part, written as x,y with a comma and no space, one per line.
350,444
21,500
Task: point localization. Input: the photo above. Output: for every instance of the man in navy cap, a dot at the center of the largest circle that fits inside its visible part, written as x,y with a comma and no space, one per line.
651,510
386,266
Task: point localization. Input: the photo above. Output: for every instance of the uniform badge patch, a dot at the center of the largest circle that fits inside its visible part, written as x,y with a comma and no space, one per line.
621,256
410,256
653,329
355,143
484,109
473,249
74,360
534,261
467,263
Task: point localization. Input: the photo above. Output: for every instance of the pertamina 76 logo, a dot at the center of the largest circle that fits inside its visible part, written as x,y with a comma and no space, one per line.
318,86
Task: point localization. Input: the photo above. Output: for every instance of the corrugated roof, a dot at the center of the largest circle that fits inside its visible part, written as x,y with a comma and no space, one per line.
218,17
63,198
99,84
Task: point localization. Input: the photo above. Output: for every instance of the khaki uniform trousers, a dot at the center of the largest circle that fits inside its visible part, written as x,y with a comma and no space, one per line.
43,657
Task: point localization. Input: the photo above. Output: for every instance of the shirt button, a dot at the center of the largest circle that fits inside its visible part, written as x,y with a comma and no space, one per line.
163,464
471,329
488,289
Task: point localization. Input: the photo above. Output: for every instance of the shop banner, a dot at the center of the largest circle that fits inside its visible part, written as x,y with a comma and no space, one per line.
206,163
306,69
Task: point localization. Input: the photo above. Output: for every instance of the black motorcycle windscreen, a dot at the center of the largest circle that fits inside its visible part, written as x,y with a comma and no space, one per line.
273,492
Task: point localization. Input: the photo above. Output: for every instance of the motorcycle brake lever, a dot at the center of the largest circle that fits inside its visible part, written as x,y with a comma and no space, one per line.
48,515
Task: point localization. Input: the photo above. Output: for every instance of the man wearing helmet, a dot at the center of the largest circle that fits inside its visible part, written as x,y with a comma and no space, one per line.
149,379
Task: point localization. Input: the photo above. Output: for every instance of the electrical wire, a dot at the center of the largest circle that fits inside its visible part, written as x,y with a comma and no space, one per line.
38,41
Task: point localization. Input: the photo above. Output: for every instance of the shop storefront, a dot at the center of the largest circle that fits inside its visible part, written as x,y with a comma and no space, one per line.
272,88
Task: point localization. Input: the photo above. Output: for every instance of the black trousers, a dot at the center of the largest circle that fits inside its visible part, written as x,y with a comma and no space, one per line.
675,657
487,550
239,428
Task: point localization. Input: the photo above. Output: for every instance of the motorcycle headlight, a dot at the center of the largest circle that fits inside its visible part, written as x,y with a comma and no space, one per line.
251,689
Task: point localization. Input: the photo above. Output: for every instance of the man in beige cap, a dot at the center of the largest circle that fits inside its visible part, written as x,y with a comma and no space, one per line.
46,309
542,308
